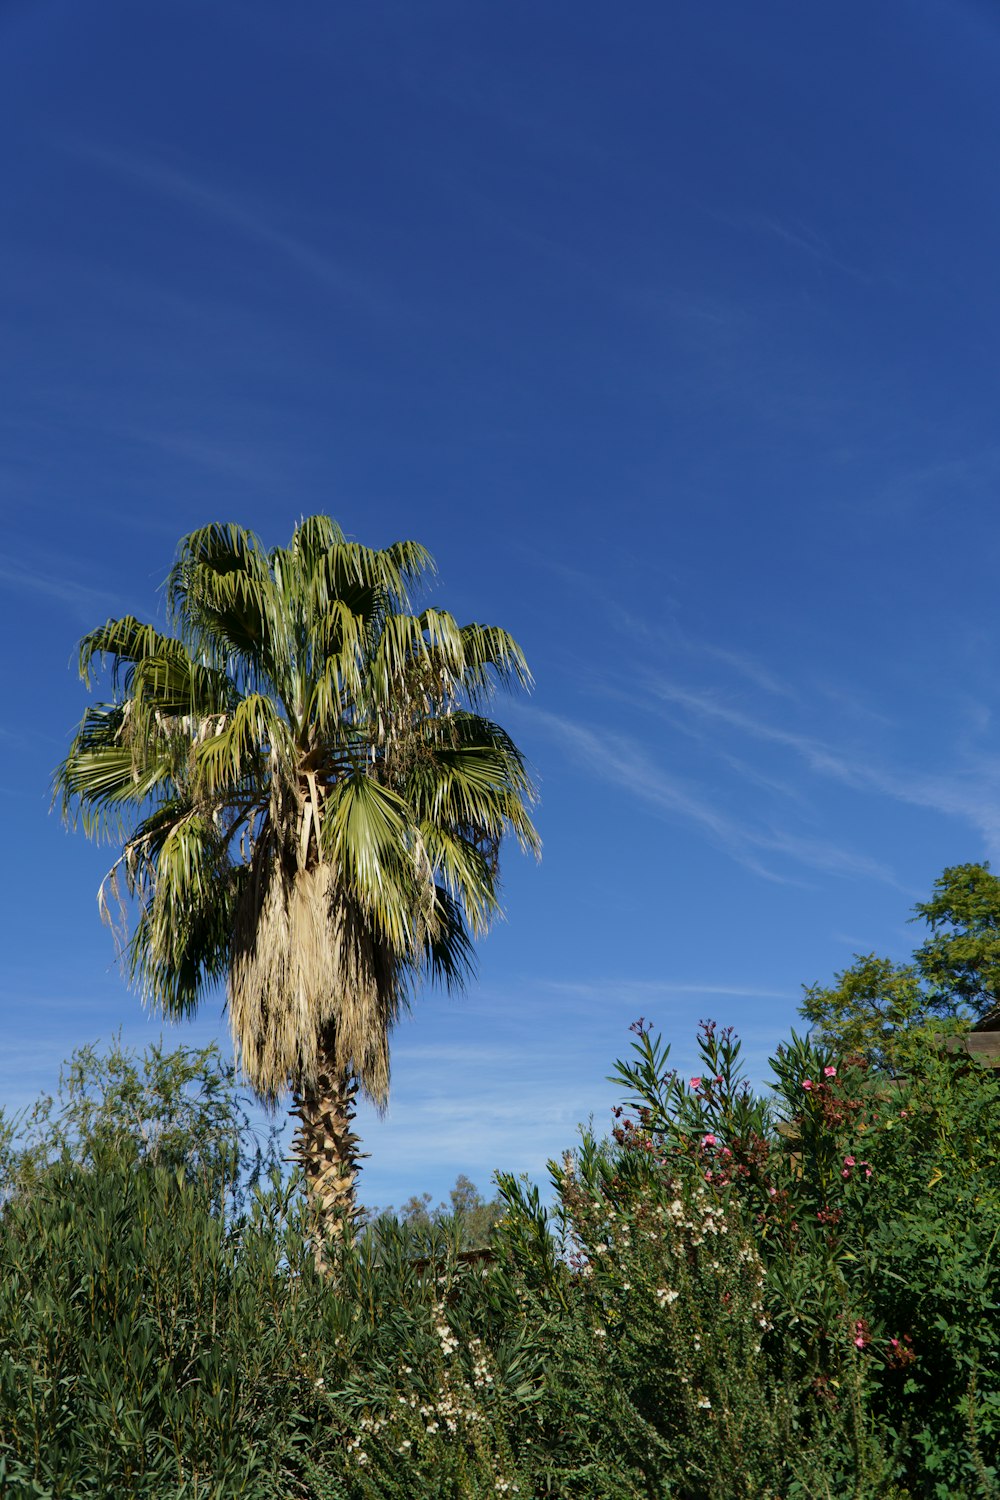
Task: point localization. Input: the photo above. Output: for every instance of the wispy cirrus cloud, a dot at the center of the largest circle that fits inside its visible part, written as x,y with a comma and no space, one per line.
251,222
681,642
81,598
967,788
657,635
624,762
968,792
746,665
816,754
654,989
794,235
237,460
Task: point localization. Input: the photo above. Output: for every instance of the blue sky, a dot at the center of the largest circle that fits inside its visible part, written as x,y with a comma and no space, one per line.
671,330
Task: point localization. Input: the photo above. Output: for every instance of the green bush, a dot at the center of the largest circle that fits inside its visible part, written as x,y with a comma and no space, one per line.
710,1308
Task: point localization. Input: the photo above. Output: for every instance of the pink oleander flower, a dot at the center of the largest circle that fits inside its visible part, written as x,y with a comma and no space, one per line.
859,1342
848,1161
829,1072
807,1084
696,1083
709,1140
846,1172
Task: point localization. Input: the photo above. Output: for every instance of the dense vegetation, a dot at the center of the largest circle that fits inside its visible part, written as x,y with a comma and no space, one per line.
708,1307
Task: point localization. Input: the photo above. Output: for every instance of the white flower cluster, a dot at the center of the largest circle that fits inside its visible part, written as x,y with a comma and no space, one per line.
695,1221
354,1446
481,1373
371,1424
452,1408
447,1340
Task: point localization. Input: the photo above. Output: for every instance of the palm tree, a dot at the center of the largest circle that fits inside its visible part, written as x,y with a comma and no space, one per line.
310,807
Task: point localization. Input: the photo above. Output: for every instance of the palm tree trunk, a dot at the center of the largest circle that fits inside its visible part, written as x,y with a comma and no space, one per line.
327,1149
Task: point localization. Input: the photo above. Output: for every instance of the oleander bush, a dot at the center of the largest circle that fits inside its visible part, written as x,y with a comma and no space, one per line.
705,1306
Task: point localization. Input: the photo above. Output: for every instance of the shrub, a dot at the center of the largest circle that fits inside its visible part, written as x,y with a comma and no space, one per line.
709,1309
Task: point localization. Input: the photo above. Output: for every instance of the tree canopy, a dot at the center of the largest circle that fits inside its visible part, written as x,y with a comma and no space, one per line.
952,979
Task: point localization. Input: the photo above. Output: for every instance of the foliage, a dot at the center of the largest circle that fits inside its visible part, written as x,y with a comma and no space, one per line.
180,1110
707,1308
954,977
868,1009
467,1209
719,1138
877,1218
960,961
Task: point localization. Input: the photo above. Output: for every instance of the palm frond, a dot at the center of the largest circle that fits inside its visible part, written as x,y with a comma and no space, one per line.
473,777
465,872
127,641
492,659
99,786
308,981
221,596
238,752
178,870
369,579
100,779
369,838
449,955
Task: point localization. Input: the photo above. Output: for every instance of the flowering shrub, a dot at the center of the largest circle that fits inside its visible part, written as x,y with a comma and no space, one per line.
876,1213
672,1282
784,1295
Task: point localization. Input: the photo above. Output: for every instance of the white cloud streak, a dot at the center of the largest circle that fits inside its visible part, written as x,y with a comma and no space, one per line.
652,989
79,597
228,209
621,760
970,793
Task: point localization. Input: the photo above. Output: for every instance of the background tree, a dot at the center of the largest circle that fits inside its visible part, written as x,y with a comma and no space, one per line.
471,1215
960,961
954,978
867,1009
310,804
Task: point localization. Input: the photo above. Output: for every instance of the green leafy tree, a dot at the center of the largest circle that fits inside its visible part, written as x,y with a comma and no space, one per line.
873,1007
179,1110
467,1211
868,1008
960,961
310,804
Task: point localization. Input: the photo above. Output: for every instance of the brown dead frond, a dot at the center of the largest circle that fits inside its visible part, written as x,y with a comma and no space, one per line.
309,983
